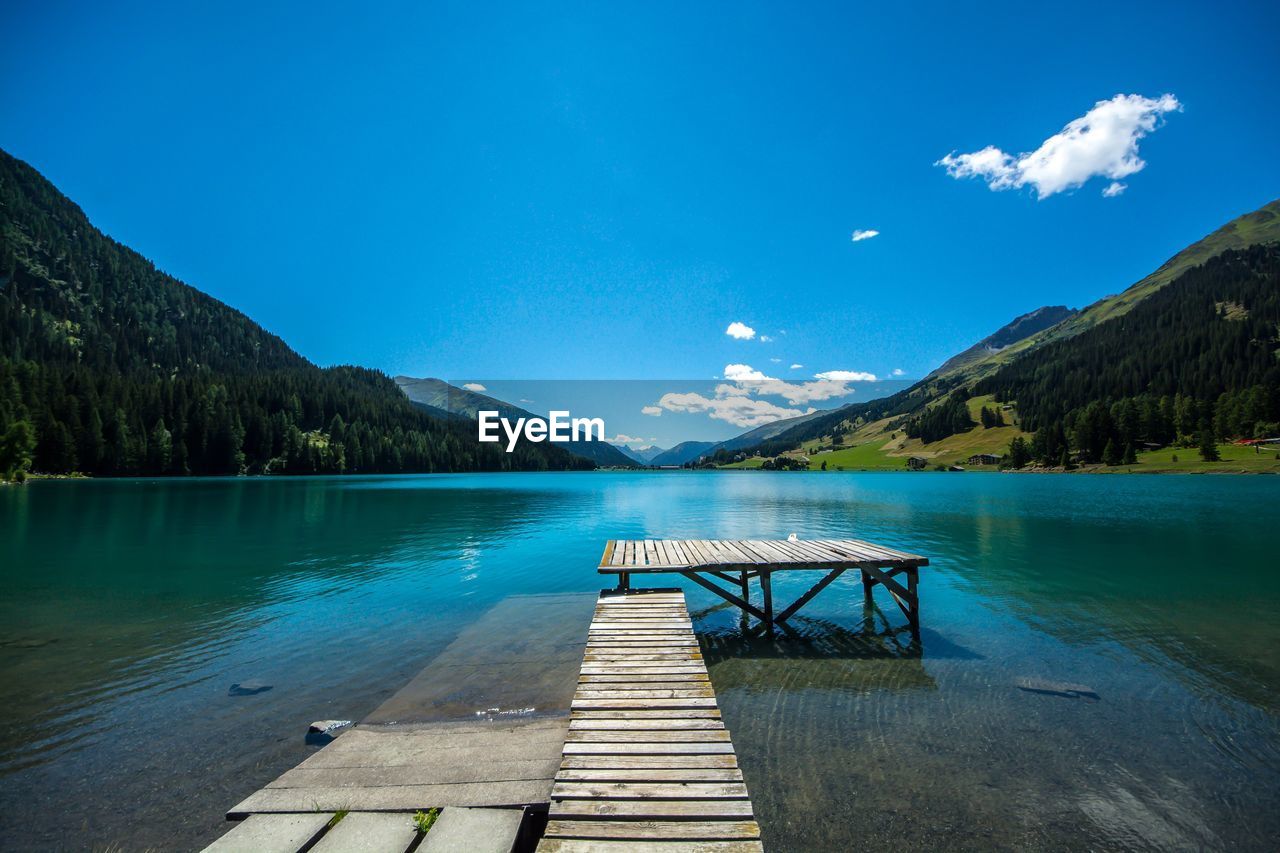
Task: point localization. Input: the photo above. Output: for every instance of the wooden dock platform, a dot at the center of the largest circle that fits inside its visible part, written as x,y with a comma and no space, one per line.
648,764
738,561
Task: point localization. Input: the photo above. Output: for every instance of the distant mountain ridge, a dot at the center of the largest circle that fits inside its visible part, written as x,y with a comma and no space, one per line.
446,400
642,455
1017,329
684,452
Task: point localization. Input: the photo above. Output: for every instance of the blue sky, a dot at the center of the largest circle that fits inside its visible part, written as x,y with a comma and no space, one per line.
599,190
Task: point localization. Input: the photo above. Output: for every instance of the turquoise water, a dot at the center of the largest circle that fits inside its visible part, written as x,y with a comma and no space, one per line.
131,608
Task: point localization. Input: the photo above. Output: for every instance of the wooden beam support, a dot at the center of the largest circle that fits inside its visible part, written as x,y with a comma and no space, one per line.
813,590
725,594
766,590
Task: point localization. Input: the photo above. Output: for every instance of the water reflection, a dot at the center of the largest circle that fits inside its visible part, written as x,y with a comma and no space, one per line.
132,607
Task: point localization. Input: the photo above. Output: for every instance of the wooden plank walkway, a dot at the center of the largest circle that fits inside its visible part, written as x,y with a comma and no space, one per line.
738,561
648,763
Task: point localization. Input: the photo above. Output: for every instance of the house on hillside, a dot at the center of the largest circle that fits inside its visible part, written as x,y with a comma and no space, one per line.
917,463
984,459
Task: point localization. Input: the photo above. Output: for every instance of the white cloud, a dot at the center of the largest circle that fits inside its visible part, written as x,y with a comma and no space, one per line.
651,410
746,380
776,360
474,386
846,376
1103,142
622,438
864,234
897,371
765,339
742,373
525,400
1114,189
738,401
741,331
741,411
797,366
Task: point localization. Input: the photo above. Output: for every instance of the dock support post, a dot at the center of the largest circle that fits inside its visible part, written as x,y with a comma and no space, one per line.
867,584
624,581
766,590
913,577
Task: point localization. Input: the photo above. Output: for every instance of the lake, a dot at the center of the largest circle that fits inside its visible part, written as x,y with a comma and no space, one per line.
131,607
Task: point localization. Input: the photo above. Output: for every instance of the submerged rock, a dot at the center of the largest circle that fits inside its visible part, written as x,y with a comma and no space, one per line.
322,732
1056,688
327,726
248,688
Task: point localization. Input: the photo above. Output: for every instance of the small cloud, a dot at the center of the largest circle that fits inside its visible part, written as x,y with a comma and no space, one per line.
622,438
846,376
474,386
897,371
776,360
654,411
765,339
525,400
1101,143
1114,189
797,366
864,234
740,331
743,373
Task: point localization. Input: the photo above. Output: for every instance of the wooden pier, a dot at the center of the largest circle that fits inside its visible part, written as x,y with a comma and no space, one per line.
629,756
738,561
648,763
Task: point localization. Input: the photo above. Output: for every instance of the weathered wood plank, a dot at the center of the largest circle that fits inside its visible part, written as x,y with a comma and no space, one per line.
683,774
649,748
613,693
654,762
650,830
653,714
600,845
651,809
649,790
647,735
633,725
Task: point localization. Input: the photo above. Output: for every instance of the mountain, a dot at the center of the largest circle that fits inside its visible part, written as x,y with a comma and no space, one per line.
1200,355
1020,328
442,399
761,434
685,451
1197,336
1251,229
109,366
642,455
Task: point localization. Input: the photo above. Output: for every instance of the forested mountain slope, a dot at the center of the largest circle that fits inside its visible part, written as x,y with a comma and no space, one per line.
109,366
1201,355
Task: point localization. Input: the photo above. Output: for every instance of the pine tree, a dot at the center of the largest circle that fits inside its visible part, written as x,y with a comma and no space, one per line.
1208,447
1111,455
